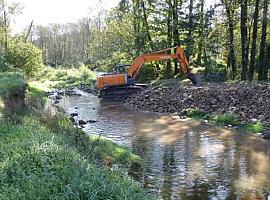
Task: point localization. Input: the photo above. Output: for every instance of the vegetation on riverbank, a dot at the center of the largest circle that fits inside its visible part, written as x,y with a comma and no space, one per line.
60,78
11,82
50,159
228,120
46,157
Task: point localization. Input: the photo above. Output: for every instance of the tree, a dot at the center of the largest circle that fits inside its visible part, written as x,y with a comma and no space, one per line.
230,11
263,72
254,40
24,56
244,40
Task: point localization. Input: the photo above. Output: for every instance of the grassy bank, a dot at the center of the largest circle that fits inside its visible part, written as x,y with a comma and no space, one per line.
11,82
228,120
60,78
43,158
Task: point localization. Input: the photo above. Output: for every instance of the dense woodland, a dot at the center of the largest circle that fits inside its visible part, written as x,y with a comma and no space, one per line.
228,36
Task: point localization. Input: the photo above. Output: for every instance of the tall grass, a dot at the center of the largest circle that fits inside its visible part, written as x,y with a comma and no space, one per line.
43,161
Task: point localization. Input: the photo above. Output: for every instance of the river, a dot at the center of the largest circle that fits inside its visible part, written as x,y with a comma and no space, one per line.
183,159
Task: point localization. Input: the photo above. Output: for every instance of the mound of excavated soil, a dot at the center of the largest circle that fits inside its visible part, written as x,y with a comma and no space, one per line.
245,101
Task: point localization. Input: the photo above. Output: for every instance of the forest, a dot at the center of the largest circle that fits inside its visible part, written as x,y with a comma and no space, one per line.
228,37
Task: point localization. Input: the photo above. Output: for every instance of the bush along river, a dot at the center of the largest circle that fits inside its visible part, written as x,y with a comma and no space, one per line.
182,159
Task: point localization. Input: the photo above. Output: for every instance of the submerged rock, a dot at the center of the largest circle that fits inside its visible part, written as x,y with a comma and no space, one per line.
266,134
74,114
72,119
82,122
91,121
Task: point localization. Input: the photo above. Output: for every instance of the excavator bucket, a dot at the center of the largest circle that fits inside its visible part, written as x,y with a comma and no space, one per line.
193,78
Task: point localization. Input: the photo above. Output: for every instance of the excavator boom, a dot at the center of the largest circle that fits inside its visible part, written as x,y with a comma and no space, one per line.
111,84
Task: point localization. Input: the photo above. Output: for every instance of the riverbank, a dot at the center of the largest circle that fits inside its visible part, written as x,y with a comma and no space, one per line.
45,156
49,159
245,105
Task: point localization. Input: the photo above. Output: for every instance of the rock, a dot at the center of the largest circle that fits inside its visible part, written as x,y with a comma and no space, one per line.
266,136
82,122
58,97
91,121
248,102
94,108
56,102
266,132
76,107
72,119
253,120
74,114
205,121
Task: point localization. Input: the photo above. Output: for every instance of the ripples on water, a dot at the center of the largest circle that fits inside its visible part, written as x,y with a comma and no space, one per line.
182,159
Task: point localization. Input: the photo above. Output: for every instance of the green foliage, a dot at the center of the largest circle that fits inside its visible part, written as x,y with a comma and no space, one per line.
111,152
226,119
196,113
24,56
67,78
254,127
3,62
216,72
148,73
36,163
11,82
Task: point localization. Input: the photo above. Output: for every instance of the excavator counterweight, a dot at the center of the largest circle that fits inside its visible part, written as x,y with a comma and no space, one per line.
123,84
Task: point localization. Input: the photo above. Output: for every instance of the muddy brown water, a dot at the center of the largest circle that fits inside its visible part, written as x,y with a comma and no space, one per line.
182,159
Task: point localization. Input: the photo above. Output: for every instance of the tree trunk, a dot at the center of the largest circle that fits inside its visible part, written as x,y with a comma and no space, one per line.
176,41
262,66
169,39
232,58
146,26
136,25
200,44
190,25
244,39
5,29
254,39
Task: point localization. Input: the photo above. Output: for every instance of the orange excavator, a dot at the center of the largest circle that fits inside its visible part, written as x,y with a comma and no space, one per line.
123,83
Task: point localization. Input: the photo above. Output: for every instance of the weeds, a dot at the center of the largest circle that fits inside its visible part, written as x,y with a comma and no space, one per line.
45,161
196,113
225,119
254,127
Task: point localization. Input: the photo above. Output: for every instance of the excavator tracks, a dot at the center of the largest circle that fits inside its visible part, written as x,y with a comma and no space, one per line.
121,91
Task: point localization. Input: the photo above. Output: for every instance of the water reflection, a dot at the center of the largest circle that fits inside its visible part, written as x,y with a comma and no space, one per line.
182,159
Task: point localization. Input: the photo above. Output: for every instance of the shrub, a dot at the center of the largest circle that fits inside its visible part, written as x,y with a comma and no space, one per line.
226,119
196,113
24,56
255,127
11,82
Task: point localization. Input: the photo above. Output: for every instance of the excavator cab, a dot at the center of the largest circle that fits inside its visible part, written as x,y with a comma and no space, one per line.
122,68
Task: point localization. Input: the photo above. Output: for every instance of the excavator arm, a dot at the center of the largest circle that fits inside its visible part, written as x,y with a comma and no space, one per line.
161,56
122,84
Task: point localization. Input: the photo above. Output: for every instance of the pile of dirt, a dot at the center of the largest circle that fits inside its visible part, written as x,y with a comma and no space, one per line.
248,102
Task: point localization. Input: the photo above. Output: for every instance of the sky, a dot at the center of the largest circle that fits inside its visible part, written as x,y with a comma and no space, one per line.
44,12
